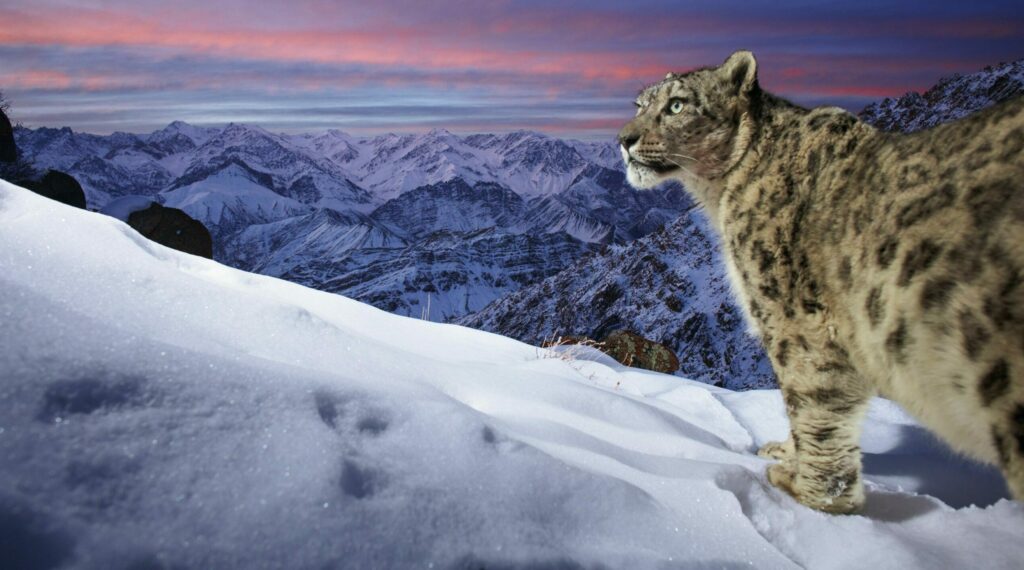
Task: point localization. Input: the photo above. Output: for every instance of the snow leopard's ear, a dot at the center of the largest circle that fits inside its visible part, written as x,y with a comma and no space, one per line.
741,72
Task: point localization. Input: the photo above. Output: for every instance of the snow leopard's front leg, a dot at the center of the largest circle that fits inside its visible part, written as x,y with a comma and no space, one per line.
820,463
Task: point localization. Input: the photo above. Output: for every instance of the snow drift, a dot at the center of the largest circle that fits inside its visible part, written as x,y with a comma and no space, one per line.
159,410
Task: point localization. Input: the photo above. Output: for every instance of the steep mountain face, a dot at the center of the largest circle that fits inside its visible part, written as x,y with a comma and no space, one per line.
668,286
453,205
404,268
450,274
951,98
396,220
603,194
229,197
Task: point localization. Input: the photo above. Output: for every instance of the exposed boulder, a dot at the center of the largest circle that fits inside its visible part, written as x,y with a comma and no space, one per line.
57,185
627,348
173,228
634,350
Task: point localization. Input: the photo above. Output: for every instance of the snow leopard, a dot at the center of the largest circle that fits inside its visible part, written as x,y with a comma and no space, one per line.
868,263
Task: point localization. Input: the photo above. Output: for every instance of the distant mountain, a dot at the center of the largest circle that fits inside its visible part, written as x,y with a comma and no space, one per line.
451,246
394,220
951,98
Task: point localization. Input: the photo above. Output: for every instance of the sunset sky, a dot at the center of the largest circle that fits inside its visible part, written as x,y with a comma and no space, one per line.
565,68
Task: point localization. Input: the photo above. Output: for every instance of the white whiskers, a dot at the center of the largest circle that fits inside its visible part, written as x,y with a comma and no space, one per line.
681,167
687,157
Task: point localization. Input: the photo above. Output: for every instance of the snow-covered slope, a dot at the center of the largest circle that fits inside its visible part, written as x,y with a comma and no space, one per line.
951,98
158,410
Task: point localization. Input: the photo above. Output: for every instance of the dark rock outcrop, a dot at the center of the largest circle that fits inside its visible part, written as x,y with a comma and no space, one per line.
8,150
627,348
57,185
173,228
634,350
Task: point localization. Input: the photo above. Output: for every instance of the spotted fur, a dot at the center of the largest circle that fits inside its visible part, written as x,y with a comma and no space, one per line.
867,262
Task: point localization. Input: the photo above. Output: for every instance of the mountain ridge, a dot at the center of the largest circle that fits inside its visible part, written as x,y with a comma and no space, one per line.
262,196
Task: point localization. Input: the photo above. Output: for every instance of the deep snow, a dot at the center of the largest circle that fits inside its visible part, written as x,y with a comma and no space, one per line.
159,410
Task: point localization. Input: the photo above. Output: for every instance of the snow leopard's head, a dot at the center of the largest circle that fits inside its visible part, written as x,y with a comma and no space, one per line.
693,126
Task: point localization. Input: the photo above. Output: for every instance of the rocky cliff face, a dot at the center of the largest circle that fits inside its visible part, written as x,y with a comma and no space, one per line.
669,286
403,270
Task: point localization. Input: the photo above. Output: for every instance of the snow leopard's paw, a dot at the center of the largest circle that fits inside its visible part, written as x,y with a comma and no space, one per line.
837,494
776,449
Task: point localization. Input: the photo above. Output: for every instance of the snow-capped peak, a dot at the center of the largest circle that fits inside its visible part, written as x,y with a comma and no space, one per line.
198,135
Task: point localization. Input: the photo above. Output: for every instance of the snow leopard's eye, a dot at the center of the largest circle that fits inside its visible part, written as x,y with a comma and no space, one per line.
675,106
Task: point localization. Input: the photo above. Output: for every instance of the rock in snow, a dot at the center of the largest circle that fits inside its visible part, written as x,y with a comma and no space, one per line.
8,150
174,228
167,226
160,410
59,186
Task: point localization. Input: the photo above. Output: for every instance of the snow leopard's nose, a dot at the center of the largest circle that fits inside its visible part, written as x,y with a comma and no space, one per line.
629,135
627,139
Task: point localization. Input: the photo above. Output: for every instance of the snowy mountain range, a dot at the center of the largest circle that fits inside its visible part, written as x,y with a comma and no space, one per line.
401,221
161,410
951,98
